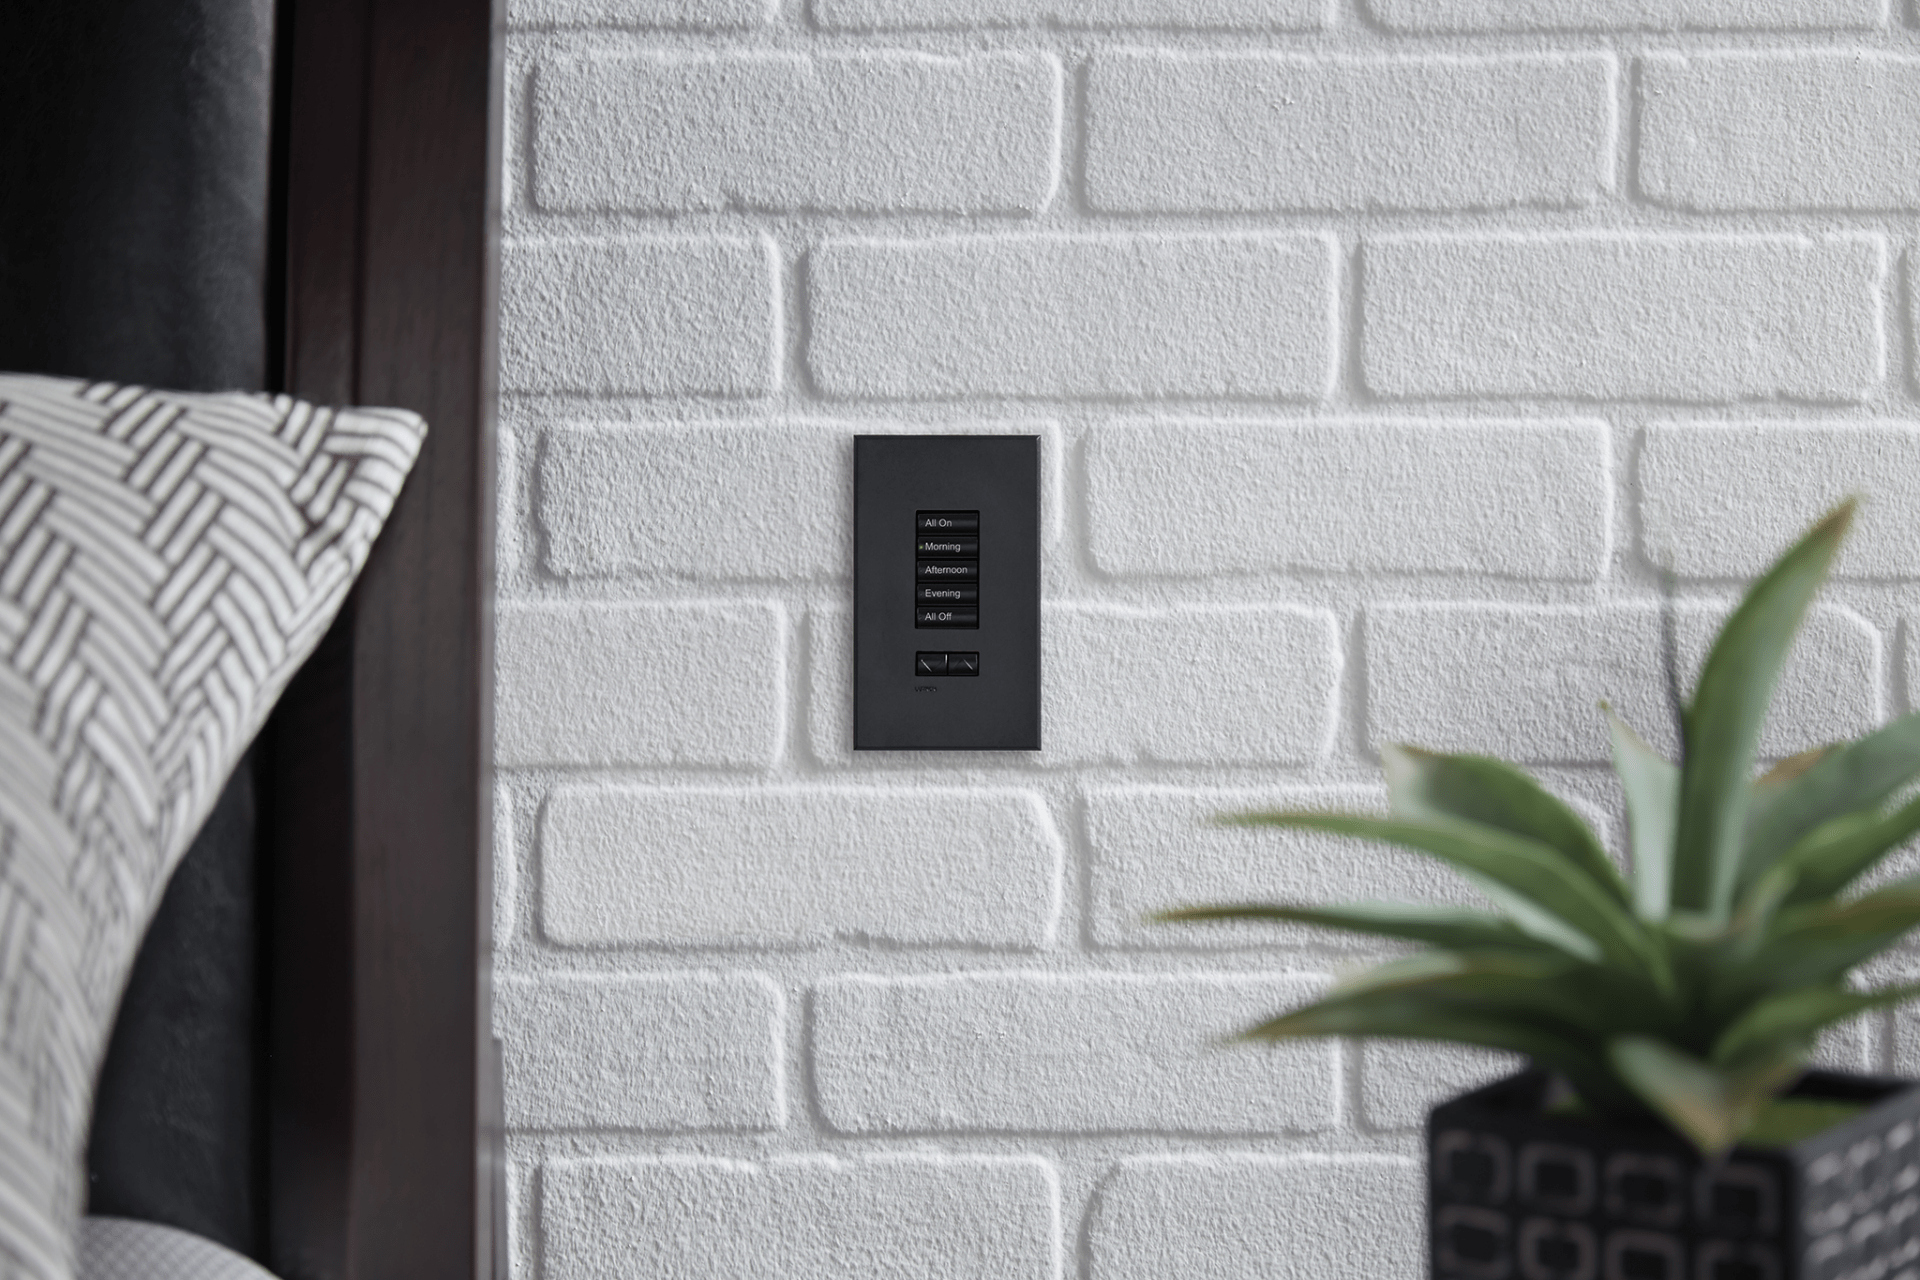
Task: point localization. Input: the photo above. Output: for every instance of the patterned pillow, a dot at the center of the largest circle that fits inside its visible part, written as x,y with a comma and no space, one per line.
122,1249
166,563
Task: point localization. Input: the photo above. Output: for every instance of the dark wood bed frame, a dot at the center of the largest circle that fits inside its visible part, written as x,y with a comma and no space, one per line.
383,1090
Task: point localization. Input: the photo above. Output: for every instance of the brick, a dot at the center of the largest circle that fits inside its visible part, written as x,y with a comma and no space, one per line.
1066,1054
1158,316
866,132
1800,130
1696,318
661,1052
809,1218
1250,15
1195,685
780,866
1401,1081
660,684
1154,848
639,317
830,684
720,500
506,877
1716,500
1524,682
1304,1217
1910,664
723,501
1904,1048
1178,132
1853,1045
673,14
1913,321
1443,16
1512,499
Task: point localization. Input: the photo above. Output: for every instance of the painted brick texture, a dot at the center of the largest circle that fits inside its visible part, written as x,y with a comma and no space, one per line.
1801,130
1630,317
800,1219
777,131
1047,1052
666,866
664,1052
1343,497
1179,132
1188,316
1385,355
1346,1218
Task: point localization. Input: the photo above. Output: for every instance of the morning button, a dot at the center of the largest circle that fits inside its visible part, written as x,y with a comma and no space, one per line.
943,546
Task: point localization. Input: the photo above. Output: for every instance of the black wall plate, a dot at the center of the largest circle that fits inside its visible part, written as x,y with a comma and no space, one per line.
946,593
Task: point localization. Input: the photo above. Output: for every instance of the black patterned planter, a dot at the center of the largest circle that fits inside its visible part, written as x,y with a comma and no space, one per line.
1514,1195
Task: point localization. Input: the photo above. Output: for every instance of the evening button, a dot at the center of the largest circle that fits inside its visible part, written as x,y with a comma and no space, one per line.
944,593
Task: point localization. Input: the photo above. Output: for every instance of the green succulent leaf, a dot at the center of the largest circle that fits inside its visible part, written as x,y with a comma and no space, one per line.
1819,942
1779,1022
1653,803
1448,972
1711,1106
1840,850
1535,873
1596,1001
1729,706
1831,782
1412,922
1404,1015
1426,785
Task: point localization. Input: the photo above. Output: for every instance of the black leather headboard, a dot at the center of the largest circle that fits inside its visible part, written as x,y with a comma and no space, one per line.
134,229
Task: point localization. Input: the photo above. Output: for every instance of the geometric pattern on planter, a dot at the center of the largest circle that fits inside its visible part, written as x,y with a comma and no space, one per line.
1514,1195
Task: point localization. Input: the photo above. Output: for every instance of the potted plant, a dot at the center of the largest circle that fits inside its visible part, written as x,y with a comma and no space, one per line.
1668,1128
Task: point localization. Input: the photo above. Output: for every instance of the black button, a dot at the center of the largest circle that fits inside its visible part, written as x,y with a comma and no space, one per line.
947,570
958,593
946,617
929,664
963,664
946,522
946,547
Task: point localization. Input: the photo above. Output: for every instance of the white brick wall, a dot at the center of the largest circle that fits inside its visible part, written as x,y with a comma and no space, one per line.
1259,1218
1383,352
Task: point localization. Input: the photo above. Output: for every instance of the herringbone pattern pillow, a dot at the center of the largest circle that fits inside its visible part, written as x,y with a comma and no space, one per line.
167,561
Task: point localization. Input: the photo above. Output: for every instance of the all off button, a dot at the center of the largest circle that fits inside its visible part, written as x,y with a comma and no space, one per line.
946,617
